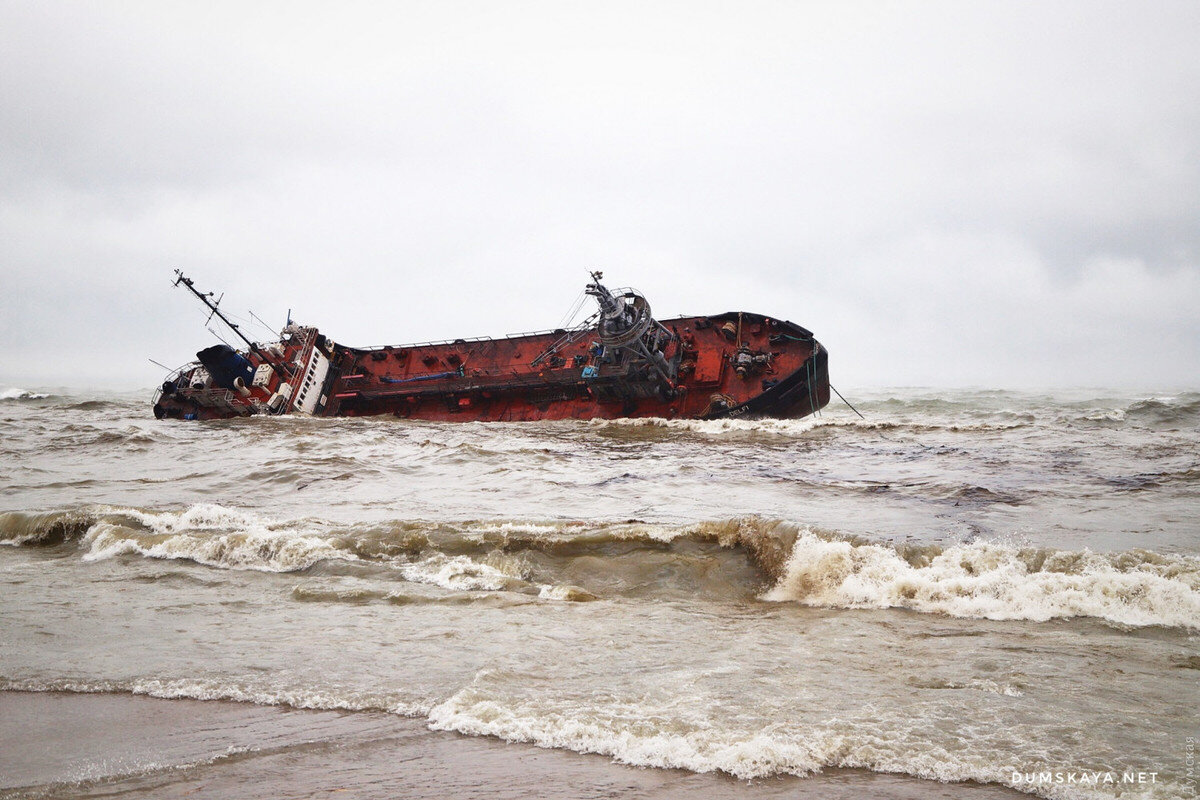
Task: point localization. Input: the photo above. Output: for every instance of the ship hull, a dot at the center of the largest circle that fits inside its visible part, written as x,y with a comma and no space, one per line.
383,380
734,365
804,392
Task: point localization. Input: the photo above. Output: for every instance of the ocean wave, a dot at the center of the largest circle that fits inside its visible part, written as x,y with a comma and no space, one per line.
130,435
767,429
929,415
659,731
349,595
874,425
237,690
731,559
737,559
650,731
631,733
77,436
1166,412
1154,480
21,394
638,732
994,581
659,427
1153,413
978,495
93,405
461,573
364,593
212,535
46,529
976,685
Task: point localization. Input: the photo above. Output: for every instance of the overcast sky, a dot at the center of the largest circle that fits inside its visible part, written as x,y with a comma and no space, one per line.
993,194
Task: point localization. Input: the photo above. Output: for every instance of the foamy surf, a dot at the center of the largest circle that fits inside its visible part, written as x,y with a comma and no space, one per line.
715,427
263,692
683,734
21,394
654,732
462,573
629,732
995,581
956,588
212,535
718,561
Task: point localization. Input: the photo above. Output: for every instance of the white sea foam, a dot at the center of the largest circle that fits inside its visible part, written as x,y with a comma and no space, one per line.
991,687
519,527
975,684
294,697
682,737
676,733
713,427
462,573
629,733
213,535
573,594
20,394
233,690
995,581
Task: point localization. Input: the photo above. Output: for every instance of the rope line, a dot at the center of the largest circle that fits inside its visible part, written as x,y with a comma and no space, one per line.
847,402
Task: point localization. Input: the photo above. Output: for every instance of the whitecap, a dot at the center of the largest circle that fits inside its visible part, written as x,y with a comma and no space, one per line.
995,581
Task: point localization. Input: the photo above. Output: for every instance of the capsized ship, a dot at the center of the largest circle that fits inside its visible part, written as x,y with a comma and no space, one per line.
619,362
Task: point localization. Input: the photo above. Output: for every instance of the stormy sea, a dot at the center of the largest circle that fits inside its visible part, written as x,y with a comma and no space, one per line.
965,594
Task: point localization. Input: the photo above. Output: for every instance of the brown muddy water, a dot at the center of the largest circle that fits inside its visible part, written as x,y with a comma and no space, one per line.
969,594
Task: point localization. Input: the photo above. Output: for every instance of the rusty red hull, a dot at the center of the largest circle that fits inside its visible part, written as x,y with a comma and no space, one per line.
731,365
492,381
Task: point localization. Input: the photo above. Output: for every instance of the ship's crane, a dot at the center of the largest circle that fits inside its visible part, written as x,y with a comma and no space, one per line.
627,324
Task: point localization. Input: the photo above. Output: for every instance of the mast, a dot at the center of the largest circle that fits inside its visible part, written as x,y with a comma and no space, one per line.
214,311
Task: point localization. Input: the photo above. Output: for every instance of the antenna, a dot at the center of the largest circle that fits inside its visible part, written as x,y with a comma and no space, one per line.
261,321
204,298
213,306
223,340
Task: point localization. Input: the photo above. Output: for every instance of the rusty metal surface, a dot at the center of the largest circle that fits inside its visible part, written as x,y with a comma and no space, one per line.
494,379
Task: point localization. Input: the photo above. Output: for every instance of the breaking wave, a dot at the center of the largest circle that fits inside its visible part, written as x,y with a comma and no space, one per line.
21,394
1166,412
633,729
739,560
648,732
766,429
212,535
46,530
639,732
927,415
263,693
655,426
995,581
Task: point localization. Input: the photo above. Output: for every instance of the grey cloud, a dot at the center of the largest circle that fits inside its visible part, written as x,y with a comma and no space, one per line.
888,174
